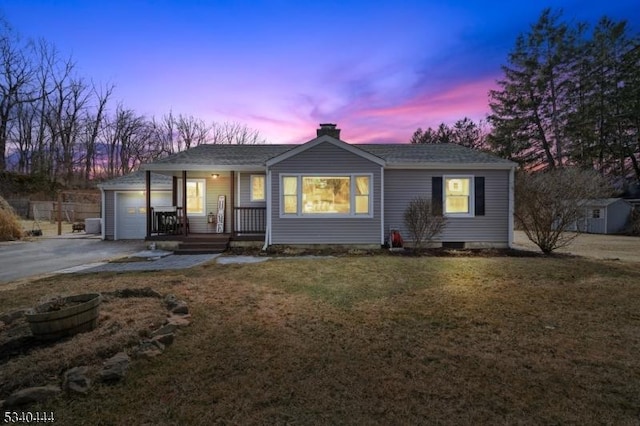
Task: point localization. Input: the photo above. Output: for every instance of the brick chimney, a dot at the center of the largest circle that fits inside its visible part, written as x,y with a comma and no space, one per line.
328,129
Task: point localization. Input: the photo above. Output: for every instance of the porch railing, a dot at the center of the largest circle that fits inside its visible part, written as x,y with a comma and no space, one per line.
250,220
168,220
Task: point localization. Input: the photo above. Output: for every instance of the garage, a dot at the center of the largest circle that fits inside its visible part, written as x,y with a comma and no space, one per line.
131,213
124,210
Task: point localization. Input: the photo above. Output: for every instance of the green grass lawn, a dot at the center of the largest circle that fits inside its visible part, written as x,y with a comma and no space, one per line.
364,340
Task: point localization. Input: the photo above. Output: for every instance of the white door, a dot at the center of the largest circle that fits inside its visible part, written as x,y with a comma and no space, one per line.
131,213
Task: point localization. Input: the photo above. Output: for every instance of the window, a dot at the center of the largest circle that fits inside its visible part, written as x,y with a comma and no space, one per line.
457,192
195,196
290,194
362,195
258,188
595,214
326,195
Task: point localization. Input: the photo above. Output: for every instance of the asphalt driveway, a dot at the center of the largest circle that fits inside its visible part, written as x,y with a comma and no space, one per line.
42,256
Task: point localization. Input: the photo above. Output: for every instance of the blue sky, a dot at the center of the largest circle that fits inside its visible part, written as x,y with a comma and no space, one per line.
379,69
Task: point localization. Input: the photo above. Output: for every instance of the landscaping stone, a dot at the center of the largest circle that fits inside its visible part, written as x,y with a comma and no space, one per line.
136,292
165,329
31,396
181,308
115,367
10,317
148,349
76,380
179,320
165,339
171,301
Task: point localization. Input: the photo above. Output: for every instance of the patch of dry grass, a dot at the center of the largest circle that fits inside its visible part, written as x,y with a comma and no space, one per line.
381,340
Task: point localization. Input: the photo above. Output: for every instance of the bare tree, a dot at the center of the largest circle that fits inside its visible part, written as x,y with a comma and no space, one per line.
234,133
93,123
164,131
422,222
17,73
191,131
552,203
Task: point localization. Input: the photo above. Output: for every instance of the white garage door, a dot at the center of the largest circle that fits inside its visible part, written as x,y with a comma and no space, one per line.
131,213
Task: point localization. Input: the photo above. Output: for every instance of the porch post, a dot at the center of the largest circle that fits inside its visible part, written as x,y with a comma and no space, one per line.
232,196
147,182
184,203
174,191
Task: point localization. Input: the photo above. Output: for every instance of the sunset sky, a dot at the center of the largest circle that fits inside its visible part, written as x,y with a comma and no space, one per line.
379,69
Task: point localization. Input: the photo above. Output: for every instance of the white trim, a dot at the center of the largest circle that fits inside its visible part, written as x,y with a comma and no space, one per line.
299,186
204,196
103,225
267,233
511,212
237,202
326,139
472,201
381,205
264,190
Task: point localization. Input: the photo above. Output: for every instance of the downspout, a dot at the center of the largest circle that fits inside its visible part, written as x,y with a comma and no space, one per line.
147,201
512,174
381,205
267,231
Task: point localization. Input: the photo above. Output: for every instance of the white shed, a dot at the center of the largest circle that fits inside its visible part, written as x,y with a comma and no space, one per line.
606,216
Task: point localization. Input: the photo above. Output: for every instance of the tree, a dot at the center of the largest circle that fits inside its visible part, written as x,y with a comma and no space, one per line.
421,221
532,100
464,132
551,203
17,73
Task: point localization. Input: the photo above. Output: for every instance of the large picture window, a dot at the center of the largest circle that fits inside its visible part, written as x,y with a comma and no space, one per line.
457,192
333,195
196,196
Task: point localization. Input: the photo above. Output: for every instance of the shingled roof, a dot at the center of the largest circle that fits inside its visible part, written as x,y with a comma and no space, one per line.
246,157
137,179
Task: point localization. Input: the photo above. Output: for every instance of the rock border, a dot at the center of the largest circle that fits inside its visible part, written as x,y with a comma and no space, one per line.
76,379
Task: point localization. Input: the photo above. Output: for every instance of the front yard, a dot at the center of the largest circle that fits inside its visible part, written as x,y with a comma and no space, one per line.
367,340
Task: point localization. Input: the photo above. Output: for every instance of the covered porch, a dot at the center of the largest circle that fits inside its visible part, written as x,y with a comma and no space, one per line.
214,210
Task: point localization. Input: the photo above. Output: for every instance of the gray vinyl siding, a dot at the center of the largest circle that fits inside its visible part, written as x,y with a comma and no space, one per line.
109,212
244,194
325,158
401,186
213,188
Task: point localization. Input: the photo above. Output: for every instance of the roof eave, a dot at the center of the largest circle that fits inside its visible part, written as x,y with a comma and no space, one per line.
201,167
451,166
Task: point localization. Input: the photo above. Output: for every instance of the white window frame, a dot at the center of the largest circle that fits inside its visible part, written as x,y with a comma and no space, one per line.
352,194
596,213
204,197
472,206
252,196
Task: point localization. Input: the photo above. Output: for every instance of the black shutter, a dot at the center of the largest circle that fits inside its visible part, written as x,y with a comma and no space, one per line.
479,195
436,195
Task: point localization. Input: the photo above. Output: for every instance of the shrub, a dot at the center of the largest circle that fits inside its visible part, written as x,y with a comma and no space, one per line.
10,228
550,203
421,221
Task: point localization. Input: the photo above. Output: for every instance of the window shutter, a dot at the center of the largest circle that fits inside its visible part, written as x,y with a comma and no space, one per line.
479,195
436,195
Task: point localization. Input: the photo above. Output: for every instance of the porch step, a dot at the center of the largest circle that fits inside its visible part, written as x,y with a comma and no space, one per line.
202,247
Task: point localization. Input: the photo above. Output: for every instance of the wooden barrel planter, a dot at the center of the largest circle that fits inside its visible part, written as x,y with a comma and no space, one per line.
76,314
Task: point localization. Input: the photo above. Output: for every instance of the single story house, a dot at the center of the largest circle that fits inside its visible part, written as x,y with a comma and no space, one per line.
324,191
605,216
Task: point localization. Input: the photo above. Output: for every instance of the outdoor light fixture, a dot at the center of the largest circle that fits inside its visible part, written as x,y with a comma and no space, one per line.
215,175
